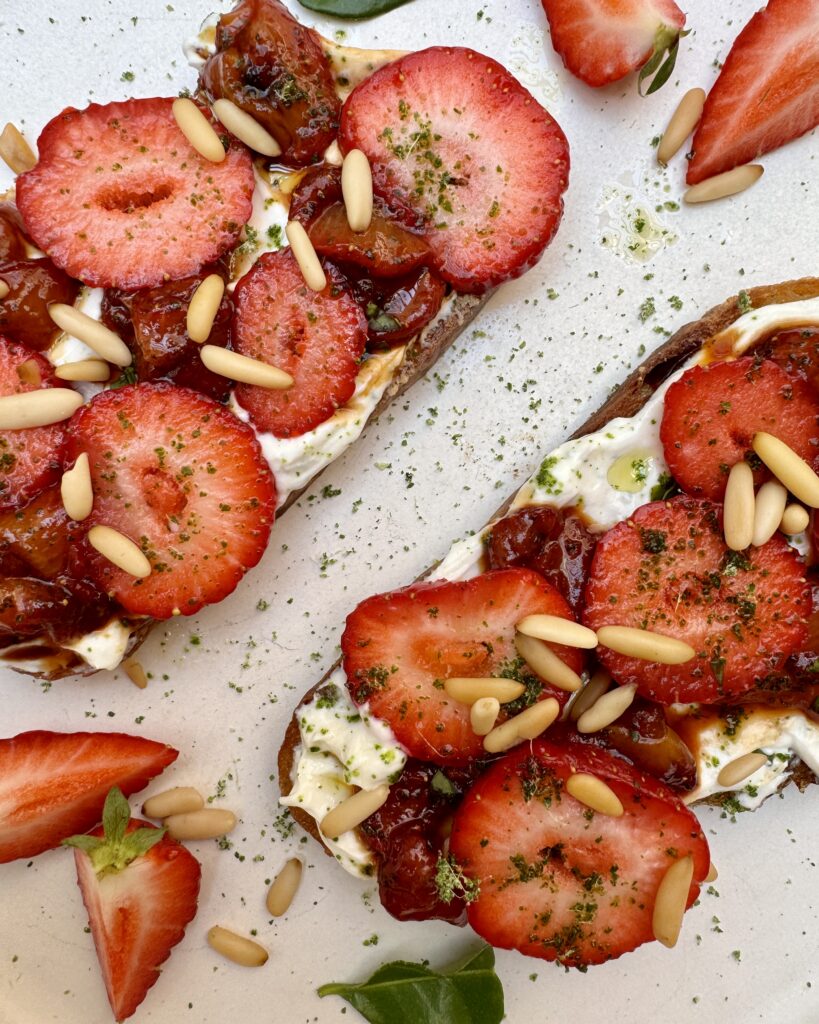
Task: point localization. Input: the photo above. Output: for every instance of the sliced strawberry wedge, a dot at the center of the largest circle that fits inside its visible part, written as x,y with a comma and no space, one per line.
767,92
316,337
53,784
140,888
398,649
120,198
453,138
557,880
184,479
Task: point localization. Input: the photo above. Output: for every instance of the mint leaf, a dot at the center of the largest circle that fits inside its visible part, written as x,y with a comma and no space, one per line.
352,8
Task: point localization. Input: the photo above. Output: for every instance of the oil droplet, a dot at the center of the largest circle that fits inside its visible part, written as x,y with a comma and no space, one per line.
629,473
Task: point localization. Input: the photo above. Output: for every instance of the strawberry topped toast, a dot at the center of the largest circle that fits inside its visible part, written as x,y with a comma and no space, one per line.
172,376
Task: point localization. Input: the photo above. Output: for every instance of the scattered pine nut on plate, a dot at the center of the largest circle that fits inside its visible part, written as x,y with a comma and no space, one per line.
238,948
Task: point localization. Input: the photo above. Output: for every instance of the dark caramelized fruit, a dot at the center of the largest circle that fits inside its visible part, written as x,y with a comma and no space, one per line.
12,238
385,249
33,286
797,352
397,309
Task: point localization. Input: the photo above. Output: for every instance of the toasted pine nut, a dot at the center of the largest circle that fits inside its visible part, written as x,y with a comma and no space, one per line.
671,900
15,152
542,659
591,692
788,468
468,689
333,154
4,289
246,128
135,672
352,811
642,643
525,726
795,520
237,948
244,369
740,507
203,307
729,183
96,370
198,130
683,121
594,793
357,189
483,714
91,332
207,823
179,800
607,708
120,551
558,630
77,491
306,256
285,885
29,372
713,874
38,408
741,768
770,506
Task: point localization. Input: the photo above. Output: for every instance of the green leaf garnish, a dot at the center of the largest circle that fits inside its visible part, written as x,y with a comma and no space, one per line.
352,8
117,849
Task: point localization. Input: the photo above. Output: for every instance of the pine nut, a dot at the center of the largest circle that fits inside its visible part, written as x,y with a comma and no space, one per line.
178,800
306,256
741,768
558,630
91,332
352,811
203,307
15,152
468,689
525,726
542,660
246,128
285,885
77,491
642,643
38,408
333,154
671,900
771,499
589,695
207,823
795,520
722,185
237,948
29,372
135,672
357,190
683,121
244,369
713,874
788,468
4,289
120,551
594,793
483,714
740,507
198,130
95,370
607,708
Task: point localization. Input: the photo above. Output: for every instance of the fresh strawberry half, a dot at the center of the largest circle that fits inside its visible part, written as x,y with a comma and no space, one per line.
710,416
141,889
398,649
552,878
601,41
184,479
316,337
667,569
767,92
119,197
454,138
53,784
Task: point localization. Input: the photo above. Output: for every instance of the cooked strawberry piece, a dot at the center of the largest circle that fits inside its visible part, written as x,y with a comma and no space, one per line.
398,649
317,189
119,197
667,569
316,337
53,784
36,538
33,286
30,607
710,416
453,137
276,70
184,479
385,249
557,880
12,239
797,352
601,41
767,92
396,308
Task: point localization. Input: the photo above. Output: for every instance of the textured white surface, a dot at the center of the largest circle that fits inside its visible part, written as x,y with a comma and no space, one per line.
527,373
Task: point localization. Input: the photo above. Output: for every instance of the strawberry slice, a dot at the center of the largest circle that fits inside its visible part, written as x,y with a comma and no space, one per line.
54,783
385,249
556,880
667,569
317,337
120,198
710,416
140,888
454,138
767,92
398,649
32,459
601,41
184,479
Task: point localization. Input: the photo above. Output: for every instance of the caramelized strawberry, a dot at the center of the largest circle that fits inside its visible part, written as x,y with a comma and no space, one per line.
12,239
33,286
397,308
317,189
385,249
34,539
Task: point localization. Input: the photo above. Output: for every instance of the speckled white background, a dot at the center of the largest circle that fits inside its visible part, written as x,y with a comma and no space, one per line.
529,371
